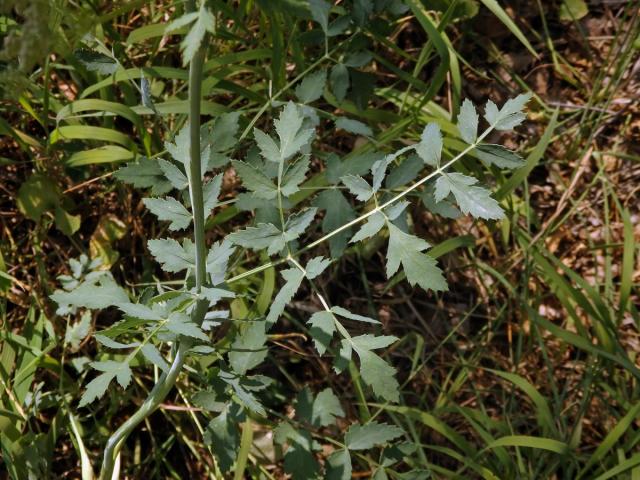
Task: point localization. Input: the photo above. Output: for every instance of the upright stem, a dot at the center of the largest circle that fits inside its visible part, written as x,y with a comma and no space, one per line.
168,379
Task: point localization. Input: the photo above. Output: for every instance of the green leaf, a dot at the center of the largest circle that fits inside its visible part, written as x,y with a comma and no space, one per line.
326,407
171,210
322,330
138,310
339,466
293,277
204,23
98,386
443,207
268,147
510,115
316,266
339,79
65,222
404,173
211,192
430,146
379,375
256,181
152,354
572,10
146,173
420,269
338,212
371,342
298,222
181,324
248,349
374,223
77,332
499,156
214,295
221,135
379,171
354,126
263,235
343,312
37,195
358,186
174,174
320,12
372,434
311,87
171,255
468,122
288,126
180,22
470,198
395,210
97,293
222,435
294,176
217,260
96,61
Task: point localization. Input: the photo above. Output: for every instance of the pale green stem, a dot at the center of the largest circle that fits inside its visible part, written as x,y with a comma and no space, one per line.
168,379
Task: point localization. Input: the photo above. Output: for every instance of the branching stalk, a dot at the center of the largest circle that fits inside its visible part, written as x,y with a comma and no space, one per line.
168,379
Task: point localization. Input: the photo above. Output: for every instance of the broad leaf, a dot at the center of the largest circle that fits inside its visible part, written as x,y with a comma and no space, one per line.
248,349
470,198
99,292
372,434
499,156
172,256
320,13
145,173
311,88
316,266
181,324
358,186
420,269
174,174
152,354
254,180
468,122
288,126
322,330
374,223
430,146
354,126
338,212
510,115
293,277
171,210
294,176
263,235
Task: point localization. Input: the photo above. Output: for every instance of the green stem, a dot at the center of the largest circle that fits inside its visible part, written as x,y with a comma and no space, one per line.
168,379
